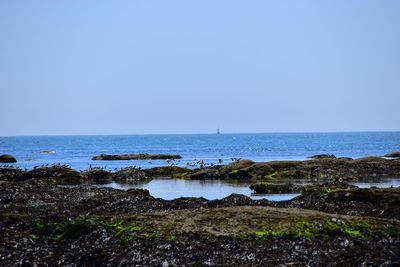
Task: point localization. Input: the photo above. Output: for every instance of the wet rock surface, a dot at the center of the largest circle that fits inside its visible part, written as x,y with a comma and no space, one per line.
393,155
315,170
136,157
323,168
269,187
129,175
375,202
168,171
323,156
46,224
5,158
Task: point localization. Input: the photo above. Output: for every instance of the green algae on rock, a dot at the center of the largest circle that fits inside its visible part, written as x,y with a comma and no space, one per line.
168,171
333,169
272,188
89,225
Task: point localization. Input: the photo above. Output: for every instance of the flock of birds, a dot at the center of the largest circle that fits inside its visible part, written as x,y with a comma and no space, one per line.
197,163
172,162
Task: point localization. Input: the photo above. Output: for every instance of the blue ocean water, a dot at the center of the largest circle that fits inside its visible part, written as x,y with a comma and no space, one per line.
77,151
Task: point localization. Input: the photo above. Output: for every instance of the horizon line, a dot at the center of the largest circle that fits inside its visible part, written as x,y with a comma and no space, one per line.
210,133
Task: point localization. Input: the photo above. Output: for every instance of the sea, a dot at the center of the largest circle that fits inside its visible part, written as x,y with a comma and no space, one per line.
196,150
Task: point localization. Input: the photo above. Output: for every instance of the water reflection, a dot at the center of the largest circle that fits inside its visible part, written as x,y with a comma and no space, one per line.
217,189
209,189
378,182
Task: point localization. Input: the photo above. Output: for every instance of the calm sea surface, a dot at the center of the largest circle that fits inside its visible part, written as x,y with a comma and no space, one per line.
77,151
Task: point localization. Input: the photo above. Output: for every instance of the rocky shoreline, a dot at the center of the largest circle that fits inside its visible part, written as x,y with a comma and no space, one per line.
321,168
46,223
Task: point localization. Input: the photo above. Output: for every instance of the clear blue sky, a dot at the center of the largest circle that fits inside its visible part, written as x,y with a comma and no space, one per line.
132,67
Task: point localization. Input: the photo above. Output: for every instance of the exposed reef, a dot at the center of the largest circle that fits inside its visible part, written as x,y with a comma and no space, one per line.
329,169
393,155
316,170
46,225
48,152
136,157
64,175
5,158
272,188
323,156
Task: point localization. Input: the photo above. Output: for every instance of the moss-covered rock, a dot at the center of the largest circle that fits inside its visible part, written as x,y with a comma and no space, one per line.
253,222
326,188
289,174
256,170
168,171
284,165
369,160
237,165
271,188
325,163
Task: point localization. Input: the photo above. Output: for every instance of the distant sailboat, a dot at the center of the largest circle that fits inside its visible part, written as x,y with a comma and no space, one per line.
218,132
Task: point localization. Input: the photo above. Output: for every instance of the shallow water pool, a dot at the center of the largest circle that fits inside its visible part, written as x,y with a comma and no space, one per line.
210,189
216,189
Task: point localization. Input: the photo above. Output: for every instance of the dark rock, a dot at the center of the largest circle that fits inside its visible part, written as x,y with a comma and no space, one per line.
235,170
326,187
323,156
290,174
236,200
284,165
88,225
53,174
168,171
207,173
369,160
232,170
130,175
267,188
48,152
375,202
10,173
138,192
5,158
324,169
97,175
258,170
237,165
136,157
393,155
